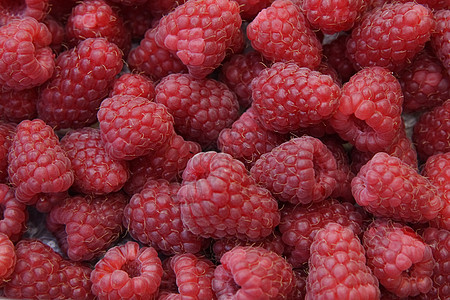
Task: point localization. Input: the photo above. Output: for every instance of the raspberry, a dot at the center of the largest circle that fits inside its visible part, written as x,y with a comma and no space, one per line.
12,9
247,139
326,69
334,16
127,272
45,202
299,225
133,126
153,217
167,162
334,55
369,114
199,32
252,273
440,39
61,10
220,199
7,258
94,171
37,163
337,266
85,226
26,59
162,7
14,214
58,32
390,36
82,79
431,133
16,106
137,20
7,132
299,290
137,85
201,107
281,33
299,171
42,273
250,8
287,97
399,258
96,18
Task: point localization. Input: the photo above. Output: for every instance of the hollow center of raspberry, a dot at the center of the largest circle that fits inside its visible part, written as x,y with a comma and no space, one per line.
133,268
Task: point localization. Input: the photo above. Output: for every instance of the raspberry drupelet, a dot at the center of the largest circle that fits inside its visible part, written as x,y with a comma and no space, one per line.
7,132
16,106
14,214
7,258
133,84
440,39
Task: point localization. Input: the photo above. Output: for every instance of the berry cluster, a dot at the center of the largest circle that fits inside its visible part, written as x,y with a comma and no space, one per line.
225,149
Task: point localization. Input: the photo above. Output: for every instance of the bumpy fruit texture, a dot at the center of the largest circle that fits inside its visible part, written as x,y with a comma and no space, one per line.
287,97
399,258
11,9
7,258
127,272
337,267
220,199
82,79
14,215
440,39
252,273
36,161
7,132
16,106
296,43
26,59
369,113
132,84
390,36
200,32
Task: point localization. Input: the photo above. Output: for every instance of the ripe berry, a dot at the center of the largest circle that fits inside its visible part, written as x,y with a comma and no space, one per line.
440,39
14,214
7,258
16,106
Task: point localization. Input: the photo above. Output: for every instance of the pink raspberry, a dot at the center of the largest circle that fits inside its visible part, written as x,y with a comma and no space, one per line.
12,9
252,273
440,39
86,226
26,59
137,85
337,267
220,199
127,272
37,163
281,33
14,214
369,113
287,97
334,55
82,80
201,107
199,32
299,171
16,106
7,258
7,132
94,171
399,258
390,36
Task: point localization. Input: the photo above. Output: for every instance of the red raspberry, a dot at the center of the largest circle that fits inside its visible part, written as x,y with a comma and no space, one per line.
440,39
334,55
337,267
302,170
167,162
14,214
199,32
436,170
247,139
201,107
85,226
250,8
137,20
390,36
95,172
41,273
287,97
193,277
153,217
7,258
369,114
58,32
399,258
297,43
299,225
334,16
16,106
127,272
133,126
137,85
220,199
37,163
26,60
431,133
252,273
45,202
239,71
326,69
82,79
7,132
96,18
299,290
388,187
11,9
425,83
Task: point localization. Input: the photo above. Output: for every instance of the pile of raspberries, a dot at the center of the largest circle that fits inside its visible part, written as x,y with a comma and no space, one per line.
225,149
